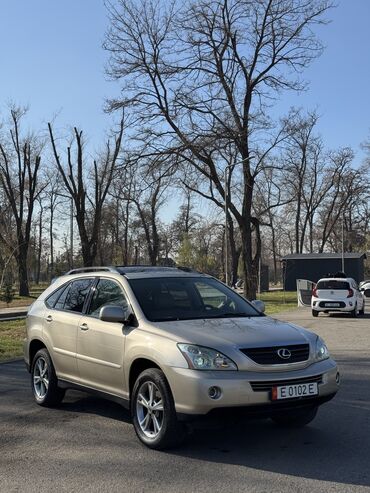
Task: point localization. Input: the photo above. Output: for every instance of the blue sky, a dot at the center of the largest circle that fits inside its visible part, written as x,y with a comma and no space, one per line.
51,58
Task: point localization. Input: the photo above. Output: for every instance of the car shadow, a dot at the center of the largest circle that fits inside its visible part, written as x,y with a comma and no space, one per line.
346,315
334,447
81,402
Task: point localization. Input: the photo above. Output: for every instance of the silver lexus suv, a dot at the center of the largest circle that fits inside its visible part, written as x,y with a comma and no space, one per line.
172,346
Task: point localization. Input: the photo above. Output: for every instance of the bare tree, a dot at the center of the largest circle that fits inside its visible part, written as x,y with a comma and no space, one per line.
200,75
52,199
39,235
148,196
20,158
88,203
347,186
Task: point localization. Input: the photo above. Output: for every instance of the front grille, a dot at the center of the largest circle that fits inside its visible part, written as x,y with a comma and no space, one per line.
266,386
269,355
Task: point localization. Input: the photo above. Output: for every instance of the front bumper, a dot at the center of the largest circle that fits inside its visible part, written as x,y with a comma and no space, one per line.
26,354
190,388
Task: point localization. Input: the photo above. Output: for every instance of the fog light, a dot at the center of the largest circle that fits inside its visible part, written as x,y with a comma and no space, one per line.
337,378
214,392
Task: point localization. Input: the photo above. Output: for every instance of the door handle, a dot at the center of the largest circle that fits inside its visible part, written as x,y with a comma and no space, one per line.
84,327
49,318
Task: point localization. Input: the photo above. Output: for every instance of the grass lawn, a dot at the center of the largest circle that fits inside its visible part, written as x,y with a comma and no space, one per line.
35,291
12,334
279,301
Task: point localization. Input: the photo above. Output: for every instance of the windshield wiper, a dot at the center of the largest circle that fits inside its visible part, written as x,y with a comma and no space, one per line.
232,314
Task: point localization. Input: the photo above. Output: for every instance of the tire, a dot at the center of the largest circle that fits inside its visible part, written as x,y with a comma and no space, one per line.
44,381
353,313
296,418
362,312
153,411
315,313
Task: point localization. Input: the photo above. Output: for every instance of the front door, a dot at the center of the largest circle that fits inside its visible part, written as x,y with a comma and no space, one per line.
100,345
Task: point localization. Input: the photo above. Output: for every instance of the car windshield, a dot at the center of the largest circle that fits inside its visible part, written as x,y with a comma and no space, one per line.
185,298
332,284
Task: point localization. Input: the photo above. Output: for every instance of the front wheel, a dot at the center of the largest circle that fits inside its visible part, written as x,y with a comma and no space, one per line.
153,411
295,419
315,313
44,381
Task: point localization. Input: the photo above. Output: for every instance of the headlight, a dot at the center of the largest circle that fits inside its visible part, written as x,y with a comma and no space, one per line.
322,351
204,358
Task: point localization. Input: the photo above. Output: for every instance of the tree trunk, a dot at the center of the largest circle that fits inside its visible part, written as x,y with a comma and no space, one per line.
250,273
273,240
39,250
234,251
22,271
51,243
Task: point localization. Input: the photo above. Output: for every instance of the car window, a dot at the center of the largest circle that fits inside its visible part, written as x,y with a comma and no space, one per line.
107,292
210,295
332,284
59,305
53,298
185,298
76,295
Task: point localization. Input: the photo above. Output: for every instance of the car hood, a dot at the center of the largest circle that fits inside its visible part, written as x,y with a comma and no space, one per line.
237,332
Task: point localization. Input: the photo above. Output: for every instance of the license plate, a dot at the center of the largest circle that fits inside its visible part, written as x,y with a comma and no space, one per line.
332,304
294,391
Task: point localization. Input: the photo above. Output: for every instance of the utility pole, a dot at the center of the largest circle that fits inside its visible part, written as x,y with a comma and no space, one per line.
71,232
343,242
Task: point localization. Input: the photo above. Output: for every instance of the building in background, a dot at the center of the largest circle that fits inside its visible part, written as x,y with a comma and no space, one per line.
314,266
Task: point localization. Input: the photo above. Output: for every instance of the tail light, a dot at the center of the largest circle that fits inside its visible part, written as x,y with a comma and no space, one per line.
314,292
350,293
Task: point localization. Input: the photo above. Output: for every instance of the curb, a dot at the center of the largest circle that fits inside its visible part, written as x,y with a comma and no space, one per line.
17,317
13,360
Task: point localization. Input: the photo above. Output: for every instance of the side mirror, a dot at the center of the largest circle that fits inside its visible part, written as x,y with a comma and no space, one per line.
259,305
367,293
118,314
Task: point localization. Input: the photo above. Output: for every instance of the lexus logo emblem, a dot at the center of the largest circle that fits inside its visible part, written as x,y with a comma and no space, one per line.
284,353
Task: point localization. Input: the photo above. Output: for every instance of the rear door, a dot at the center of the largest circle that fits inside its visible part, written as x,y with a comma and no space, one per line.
100,345
64,310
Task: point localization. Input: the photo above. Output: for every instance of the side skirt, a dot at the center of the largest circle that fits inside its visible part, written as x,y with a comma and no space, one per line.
65,384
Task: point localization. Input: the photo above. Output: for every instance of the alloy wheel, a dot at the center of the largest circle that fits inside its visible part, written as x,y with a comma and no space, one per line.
149,409
41,378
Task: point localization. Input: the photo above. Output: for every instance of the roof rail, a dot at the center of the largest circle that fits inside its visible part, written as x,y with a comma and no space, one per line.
81,270
124,269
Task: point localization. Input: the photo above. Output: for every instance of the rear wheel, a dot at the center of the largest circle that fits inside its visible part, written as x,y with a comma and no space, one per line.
153,411
44,381
296,418
354,312
315,313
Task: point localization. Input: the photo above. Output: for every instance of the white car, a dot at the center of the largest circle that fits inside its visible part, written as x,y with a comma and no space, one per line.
364,286
337,294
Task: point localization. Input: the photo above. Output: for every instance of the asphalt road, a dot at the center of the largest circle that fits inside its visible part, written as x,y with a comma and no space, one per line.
89,444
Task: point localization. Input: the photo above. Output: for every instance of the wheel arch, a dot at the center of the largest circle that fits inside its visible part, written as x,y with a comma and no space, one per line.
137,367
35,345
